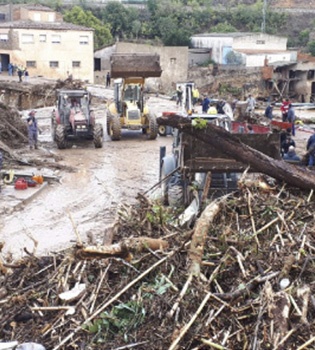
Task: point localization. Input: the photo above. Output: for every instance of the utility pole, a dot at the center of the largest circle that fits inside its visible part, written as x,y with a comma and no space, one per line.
263,25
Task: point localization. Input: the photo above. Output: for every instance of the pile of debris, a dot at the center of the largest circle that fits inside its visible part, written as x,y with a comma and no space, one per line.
240,278
13,130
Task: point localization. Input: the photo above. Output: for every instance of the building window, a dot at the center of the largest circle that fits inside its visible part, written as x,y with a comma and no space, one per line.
84,39
76,64
56,39
27,38
31,64
51,17
42,38
310,74
53,64
37,17
4,37
260,42
173,60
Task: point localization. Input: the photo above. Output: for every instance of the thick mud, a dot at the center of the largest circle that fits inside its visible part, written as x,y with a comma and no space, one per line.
86,201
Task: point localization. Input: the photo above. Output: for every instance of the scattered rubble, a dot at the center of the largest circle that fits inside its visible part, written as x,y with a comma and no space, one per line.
253,289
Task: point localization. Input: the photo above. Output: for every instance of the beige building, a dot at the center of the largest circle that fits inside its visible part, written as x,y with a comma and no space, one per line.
38,39
173,61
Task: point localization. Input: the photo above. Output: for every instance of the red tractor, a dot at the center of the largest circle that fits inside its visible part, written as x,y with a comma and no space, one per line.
73,119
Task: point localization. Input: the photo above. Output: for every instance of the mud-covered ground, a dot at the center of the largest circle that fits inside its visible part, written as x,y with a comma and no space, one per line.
86,199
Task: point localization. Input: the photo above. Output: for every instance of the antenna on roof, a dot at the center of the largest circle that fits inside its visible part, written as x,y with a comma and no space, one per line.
263,25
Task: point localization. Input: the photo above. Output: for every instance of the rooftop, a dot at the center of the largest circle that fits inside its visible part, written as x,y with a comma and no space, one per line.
30,7
43,25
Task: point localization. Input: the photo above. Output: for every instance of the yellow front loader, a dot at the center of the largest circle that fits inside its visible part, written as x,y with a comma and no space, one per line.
129,109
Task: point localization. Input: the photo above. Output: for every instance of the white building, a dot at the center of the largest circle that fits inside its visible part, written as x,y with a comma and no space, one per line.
249,49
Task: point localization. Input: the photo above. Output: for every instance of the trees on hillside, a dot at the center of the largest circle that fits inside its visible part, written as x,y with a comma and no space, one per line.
173,22
102,34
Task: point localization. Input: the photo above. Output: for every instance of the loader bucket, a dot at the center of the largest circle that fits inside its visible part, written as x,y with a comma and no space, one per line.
124,65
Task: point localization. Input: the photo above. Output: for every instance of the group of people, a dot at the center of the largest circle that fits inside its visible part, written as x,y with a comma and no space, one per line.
287,113
210,107
288,148
21,72
179,96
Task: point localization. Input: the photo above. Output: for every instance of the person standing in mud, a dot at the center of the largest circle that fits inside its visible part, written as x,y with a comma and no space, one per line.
291,118
108,80
310,147
26,75
179,93
205,104
251,104
32,130
20,74
284,109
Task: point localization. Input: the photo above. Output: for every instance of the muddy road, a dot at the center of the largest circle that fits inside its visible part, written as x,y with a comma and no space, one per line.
85,201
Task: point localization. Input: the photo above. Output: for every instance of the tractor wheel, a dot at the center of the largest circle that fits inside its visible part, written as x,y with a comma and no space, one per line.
98,135
162,130
152,131
114,128
60,136
108,119
53,128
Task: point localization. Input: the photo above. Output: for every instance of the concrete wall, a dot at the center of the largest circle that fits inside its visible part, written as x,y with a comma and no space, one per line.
258,60
66,52
260,42
216,43
198,57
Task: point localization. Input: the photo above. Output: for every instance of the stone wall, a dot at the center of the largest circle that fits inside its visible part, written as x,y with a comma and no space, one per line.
228,82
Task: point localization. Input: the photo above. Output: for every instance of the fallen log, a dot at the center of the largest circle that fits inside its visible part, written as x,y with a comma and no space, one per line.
123,249
199,236
296,176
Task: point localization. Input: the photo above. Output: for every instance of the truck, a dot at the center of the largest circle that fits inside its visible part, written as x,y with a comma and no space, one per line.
130,110
191,160
74,119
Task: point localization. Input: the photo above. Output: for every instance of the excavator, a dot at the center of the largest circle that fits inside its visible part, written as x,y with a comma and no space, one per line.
129,109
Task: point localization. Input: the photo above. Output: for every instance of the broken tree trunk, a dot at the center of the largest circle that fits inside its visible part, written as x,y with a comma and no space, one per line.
230,144
123,249
196,250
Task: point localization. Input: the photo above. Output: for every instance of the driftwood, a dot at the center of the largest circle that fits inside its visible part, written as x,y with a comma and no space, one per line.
299,177
123,249
199,236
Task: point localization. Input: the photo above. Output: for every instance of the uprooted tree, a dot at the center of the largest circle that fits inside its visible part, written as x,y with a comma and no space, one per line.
230,144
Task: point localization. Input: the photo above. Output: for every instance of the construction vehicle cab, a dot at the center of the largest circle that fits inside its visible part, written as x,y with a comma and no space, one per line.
73,118
129,109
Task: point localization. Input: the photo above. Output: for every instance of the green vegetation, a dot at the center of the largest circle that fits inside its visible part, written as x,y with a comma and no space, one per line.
121,319
173,22
127,316
102,34
311,48
199,123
